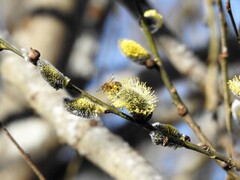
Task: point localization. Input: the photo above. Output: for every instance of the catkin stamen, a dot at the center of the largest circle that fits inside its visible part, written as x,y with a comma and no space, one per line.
83,107
54,77
134,51
234,85
132,94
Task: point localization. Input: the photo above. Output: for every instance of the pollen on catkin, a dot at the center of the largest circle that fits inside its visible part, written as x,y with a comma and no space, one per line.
83,107
54,77
135,96
166,135
134,51
154,20
234,85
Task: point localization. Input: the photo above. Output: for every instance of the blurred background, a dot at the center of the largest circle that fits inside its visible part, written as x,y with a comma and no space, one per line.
88,33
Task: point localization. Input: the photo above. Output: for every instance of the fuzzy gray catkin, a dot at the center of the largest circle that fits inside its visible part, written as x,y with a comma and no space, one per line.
54,77
83,107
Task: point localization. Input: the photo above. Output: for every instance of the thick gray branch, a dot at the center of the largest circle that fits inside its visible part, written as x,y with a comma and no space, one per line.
183,59
99,145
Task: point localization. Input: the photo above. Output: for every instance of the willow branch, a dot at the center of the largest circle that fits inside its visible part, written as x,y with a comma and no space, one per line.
6,46
181,107
212,154
183,59
224,67
98,144
26,157
176,51
173,137
211,90
44,138
229,10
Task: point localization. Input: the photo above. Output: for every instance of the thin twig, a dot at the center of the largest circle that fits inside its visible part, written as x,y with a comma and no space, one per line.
224,67
229,10
181,107
26,156
164,129
212,154
6,46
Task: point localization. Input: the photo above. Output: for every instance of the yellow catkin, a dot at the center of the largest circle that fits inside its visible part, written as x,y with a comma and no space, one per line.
155,18
134,95
55,78
234,85
134,51
83,107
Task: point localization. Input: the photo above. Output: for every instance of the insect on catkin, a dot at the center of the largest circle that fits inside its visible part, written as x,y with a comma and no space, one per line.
132,94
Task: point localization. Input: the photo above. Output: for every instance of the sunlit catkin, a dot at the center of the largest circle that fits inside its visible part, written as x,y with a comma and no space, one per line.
83,107
234,85
154,20
134,51
55,78
132,94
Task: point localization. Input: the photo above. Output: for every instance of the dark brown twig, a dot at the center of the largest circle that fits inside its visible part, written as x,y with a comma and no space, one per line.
229,10
26,156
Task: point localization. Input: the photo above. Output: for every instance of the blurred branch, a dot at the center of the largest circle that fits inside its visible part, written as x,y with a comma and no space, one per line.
170,136
96,143
189,170
181,107
16,170
26,157
183,59
177,53
224,67
92,141
194,100
38,139
13,104
211,88
39,135
57,22
163,129
43,25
